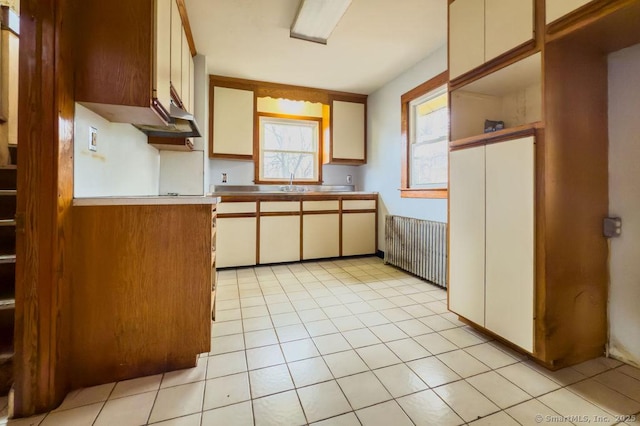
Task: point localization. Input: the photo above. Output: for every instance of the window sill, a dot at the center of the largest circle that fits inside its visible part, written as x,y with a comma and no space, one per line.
424,193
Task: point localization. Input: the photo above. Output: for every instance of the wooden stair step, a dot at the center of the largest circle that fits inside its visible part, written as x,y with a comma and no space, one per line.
8,176
13,152
7,258
7,304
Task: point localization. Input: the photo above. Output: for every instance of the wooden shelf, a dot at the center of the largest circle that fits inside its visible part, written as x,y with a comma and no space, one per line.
499,136
512,95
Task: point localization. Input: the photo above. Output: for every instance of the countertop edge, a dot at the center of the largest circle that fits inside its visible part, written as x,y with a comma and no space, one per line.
145,200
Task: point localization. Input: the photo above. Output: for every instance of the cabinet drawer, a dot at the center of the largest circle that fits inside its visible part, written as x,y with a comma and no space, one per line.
245,207
358,204
279,206
314,206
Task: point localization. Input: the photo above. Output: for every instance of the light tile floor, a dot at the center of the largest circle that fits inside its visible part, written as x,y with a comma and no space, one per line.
351,342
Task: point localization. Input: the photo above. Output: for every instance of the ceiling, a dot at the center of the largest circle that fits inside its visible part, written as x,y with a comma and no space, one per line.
375,41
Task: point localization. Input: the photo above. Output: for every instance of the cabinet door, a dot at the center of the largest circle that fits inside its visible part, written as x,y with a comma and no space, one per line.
508,24
320,236
510,173
192,99
358,233
348,130
467,233
162,63
232,121
176,48
466,36
236,241
558,8
279,239
186,59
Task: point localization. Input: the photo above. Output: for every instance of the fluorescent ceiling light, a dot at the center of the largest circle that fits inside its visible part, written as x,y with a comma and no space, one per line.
316,19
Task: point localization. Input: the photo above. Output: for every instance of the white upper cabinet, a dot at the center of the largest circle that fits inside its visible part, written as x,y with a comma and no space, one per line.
162,64
508,24
348,122
192,98
186,73
233,121
558,8
176,48
466,36
481,30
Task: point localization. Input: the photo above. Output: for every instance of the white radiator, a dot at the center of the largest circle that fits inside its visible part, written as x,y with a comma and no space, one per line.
417,246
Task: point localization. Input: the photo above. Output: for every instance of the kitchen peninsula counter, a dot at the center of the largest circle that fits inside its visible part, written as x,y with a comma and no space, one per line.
143,272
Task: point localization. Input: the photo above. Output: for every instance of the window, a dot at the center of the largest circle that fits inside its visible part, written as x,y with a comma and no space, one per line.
289,145
425,130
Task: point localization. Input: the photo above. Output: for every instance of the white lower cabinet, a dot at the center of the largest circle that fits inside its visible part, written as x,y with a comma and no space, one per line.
466,233
279,239
358,233
492,193
320,236
236,241
274,231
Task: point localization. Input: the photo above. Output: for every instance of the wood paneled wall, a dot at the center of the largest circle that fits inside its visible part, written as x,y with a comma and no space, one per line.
45,192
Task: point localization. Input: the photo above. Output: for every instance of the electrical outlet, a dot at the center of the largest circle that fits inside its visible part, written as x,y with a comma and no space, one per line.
349,179
224,178
93,139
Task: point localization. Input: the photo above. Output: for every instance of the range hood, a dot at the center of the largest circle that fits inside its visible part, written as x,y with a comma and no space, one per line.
181,125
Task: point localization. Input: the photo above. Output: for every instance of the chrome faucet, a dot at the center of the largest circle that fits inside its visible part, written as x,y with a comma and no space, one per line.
291,181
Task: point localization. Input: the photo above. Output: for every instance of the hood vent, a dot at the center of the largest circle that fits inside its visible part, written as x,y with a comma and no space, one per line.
181,125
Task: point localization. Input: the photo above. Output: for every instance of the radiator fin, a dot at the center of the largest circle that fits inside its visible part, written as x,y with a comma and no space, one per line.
417,246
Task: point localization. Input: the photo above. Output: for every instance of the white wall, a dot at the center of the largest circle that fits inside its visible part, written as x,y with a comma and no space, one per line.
382,171
241,173
123,165
624,201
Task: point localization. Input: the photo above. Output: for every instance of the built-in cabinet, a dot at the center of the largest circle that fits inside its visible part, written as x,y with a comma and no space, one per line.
482,30
233,121
358,218
527,255
237,234
269,229
492,245
320,229
234,104
144,296
279,239
556,9
348,128
135,63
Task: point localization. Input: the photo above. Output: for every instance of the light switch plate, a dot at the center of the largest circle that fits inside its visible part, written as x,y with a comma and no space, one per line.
93,139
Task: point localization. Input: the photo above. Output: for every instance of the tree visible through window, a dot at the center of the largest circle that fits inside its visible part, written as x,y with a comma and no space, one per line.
289,146
429,140
425,139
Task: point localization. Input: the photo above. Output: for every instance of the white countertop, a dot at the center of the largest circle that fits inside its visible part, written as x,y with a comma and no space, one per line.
145,200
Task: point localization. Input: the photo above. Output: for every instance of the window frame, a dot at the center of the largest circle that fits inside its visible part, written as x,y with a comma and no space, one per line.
257,148
417,92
